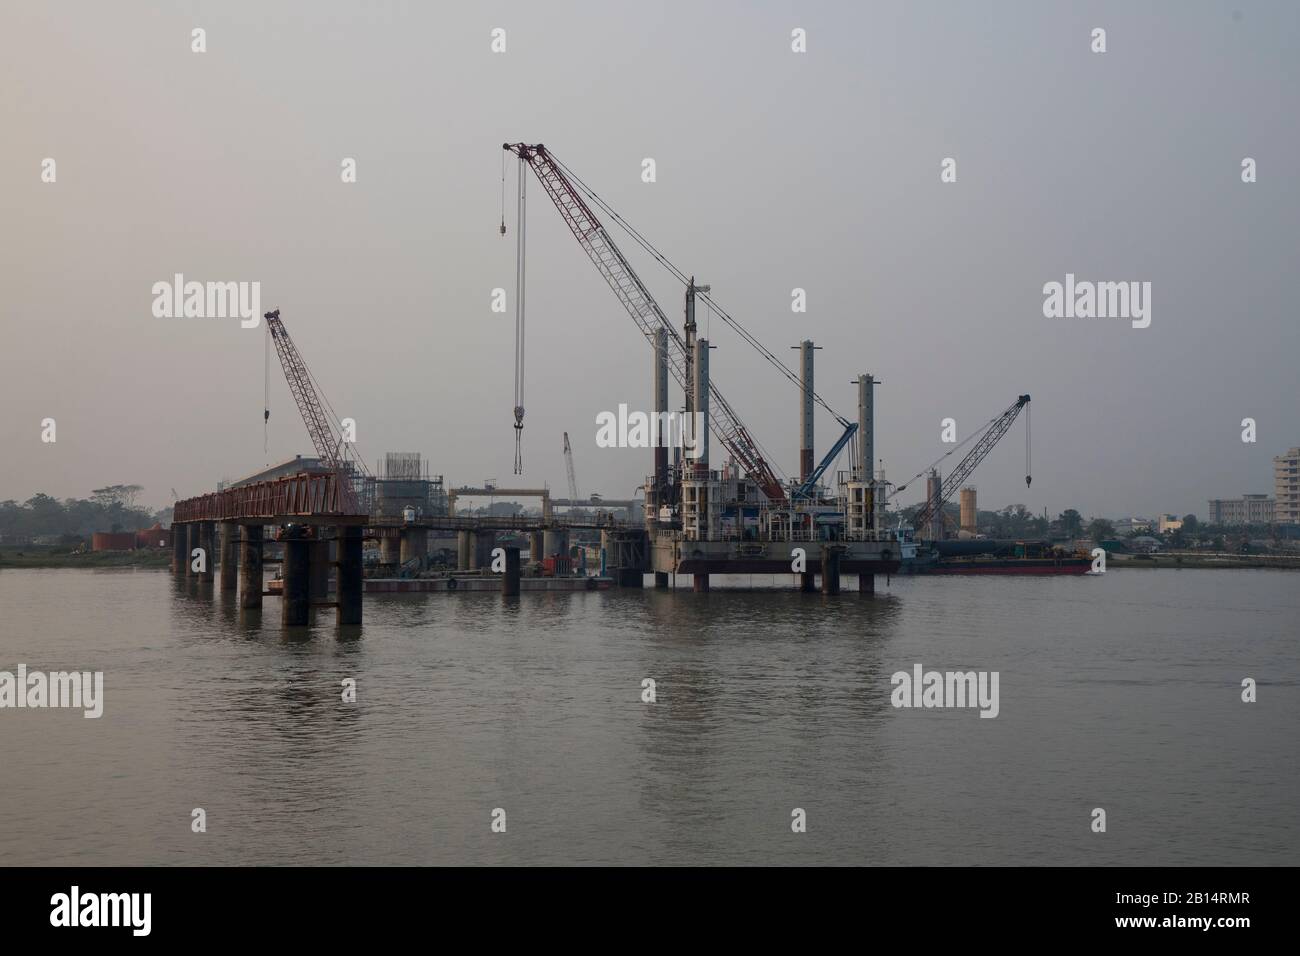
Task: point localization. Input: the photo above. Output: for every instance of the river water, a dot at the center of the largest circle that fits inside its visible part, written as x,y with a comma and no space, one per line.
1120,692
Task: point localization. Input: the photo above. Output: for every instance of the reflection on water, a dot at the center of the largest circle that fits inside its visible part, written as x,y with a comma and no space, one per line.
1119,692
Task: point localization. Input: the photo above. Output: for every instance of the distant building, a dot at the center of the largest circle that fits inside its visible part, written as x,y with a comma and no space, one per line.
1132,525
1248,509
1169,523
1286,486
1144,544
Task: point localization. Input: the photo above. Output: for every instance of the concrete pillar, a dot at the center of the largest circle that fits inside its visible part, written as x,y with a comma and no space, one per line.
535,545
806,409
555,542
510,580
390,550
831,569
191,542
415,544
295,595
700,582
661,580
250,567
866,583
481,553
701,375
229,556
208,542
659,376
350,579
180,540
318,580
464,549
865,464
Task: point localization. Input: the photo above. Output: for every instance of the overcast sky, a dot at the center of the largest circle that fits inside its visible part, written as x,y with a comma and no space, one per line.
775,170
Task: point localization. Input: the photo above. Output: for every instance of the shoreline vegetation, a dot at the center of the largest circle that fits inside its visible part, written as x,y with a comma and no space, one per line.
32,556
1194,559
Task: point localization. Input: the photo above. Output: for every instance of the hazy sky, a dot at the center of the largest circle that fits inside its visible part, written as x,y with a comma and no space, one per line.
775,170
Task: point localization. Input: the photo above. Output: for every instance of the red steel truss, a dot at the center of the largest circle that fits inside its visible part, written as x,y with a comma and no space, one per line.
282,500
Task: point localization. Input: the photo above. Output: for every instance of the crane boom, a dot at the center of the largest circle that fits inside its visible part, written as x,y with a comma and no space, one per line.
645,311
993,433
330,446
568,464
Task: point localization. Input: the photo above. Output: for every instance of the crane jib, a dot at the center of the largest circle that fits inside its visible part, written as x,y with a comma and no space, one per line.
640,304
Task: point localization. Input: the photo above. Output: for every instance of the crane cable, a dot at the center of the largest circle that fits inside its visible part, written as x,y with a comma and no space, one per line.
663,260
1029,475
955,448
521,220
503,192
266,397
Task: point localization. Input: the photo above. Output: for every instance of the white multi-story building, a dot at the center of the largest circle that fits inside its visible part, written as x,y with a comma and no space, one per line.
1286,486
1248,509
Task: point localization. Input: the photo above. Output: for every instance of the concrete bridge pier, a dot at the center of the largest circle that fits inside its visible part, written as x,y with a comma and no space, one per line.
295,593
464,549
866,583
350,577
556,542
510,580
180,540
415,544
208,542
390,550
318,577
229,556
831,569
250,568
536,546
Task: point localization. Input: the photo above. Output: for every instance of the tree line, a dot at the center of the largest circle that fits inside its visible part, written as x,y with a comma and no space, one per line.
111,508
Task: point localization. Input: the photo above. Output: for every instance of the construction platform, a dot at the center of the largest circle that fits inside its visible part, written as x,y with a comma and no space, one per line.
471,583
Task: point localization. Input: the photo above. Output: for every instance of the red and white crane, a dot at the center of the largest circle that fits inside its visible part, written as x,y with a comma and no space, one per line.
324,427
567,192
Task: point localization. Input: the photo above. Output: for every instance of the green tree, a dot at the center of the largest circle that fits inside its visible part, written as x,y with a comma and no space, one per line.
1099,530
1071,523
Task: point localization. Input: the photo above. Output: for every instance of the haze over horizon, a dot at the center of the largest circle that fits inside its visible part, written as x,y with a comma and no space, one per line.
775,171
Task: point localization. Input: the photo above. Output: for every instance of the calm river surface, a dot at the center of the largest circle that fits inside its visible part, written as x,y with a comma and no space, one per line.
1121,692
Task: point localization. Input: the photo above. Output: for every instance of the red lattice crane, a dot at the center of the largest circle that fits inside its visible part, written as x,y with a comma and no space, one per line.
322,425
645,311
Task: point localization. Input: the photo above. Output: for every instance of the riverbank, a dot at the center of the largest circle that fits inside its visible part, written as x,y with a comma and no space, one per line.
37,557
1217,562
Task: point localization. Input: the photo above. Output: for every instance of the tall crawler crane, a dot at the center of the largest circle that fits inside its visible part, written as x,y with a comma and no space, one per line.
989,436
567,192
324,427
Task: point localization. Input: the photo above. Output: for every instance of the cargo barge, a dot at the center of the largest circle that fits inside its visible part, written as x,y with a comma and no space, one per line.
998,557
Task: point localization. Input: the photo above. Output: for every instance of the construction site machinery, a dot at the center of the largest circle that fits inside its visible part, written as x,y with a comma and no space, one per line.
568,466
567,192
989,435
323,425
